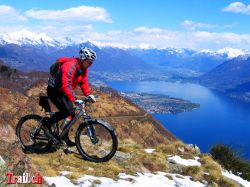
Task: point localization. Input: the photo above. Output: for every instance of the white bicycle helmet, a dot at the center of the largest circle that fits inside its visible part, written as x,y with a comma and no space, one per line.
87,53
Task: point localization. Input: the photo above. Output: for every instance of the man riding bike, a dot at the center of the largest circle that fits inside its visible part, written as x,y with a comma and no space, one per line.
71,72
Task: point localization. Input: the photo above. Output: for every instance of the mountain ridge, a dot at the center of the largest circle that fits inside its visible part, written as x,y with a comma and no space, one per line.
110,59
137,133
231,77
26,37
48,49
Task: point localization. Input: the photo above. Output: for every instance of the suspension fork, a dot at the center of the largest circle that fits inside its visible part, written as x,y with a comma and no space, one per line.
91,132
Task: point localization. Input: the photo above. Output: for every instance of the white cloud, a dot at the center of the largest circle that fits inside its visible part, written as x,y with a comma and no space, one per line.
70,31
80,14
48,22
190,25
237,7
9,14
196,40
147,30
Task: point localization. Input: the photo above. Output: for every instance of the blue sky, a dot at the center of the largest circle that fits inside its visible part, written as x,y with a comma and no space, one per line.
196,24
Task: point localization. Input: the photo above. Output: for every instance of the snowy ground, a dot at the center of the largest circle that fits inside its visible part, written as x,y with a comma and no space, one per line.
141,179
159,179
236,178
185,162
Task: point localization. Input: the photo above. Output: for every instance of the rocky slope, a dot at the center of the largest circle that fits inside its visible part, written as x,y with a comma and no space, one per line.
128,120
138,133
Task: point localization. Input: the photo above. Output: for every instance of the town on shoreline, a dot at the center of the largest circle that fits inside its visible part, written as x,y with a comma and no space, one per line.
160,104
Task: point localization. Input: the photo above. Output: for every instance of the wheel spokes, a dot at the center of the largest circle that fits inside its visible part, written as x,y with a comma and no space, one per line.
31,134
102,145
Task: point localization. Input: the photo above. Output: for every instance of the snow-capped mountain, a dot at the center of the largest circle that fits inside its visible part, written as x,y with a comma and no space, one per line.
227,51
25,37
29,56
232,53
30,50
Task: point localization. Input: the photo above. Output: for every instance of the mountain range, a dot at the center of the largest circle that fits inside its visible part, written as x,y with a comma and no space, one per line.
231,77
27,51
201,61
226,70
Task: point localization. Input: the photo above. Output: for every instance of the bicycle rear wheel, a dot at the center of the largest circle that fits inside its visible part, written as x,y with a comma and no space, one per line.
32,138
104,145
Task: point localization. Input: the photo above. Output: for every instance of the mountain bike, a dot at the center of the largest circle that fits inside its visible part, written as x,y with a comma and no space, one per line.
95,139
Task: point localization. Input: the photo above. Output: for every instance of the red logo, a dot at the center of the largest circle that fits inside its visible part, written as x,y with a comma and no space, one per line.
26,178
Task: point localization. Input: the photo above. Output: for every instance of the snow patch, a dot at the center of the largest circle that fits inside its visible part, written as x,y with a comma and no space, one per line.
2,161
236,178
162,179
61,181
145,180
65,172
149,150
206,51
231,53
186,162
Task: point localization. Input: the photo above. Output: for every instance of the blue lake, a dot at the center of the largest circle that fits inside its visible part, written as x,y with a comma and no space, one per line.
219,119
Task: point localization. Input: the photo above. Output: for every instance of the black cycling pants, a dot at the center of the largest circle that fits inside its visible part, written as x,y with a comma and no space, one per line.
63,104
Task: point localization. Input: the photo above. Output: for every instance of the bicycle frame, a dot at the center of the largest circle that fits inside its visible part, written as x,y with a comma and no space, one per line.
82,113
86,117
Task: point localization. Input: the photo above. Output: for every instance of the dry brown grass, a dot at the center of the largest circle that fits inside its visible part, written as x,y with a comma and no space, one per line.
168,149
51,164
194,171
209,171
173,148
225,182
211,167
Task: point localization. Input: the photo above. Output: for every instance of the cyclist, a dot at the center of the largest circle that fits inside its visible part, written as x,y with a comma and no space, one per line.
71,72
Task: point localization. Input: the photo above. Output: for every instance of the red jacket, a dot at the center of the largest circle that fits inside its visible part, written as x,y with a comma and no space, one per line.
72,75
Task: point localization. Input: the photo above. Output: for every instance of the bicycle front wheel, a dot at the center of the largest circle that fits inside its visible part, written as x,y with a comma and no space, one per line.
96,141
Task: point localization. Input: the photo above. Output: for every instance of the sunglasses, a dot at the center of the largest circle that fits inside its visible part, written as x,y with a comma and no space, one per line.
90,62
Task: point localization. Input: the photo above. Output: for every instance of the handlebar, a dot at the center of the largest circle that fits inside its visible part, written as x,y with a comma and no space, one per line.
86,100
80,104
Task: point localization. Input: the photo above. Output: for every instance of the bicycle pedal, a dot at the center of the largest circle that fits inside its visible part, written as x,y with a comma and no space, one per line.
63,145
67,151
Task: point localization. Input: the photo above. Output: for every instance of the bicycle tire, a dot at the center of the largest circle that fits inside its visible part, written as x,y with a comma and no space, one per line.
83,143
33,147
